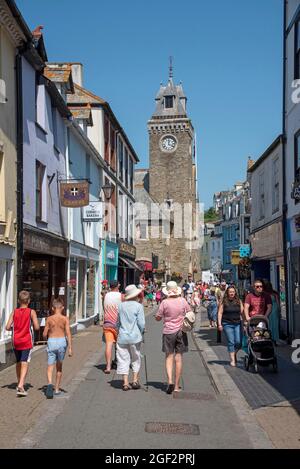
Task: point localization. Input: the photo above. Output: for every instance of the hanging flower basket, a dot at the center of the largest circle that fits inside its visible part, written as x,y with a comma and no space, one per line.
177,276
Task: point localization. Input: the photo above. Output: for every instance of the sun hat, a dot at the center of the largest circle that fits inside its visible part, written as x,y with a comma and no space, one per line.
131,291
171,289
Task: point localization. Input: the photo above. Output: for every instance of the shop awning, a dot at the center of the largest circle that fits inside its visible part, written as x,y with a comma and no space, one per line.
145,265
131,264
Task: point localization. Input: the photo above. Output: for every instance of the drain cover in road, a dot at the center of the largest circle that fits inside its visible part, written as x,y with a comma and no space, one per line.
194,396
173,428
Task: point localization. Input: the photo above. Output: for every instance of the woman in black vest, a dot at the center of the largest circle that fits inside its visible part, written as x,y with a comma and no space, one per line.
229,319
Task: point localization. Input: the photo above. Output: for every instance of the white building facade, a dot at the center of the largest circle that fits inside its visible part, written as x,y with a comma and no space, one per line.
291,158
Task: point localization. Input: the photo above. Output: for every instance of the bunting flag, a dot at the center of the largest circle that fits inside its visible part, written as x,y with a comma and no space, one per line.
74,194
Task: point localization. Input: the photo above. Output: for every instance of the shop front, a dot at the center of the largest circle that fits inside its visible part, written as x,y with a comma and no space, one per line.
44,272
7,259
128,270
268,262
83,283
110,260
294,275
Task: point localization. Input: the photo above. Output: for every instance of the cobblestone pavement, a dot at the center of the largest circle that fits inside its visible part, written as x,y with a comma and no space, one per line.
274,399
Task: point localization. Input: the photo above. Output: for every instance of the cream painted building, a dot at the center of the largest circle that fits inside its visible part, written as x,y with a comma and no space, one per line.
11,37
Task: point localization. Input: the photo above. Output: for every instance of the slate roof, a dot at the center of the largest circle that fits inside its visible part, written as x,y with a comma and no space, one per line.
60,74
170,90
83,96
81,112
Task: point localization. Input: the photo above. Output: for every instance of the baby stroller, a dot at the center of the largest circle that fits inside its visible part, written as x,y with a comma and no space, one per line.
260,344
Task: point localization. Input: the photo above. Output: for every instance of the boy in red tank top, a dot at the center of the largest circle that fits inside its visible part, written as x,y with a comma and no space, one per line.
20,323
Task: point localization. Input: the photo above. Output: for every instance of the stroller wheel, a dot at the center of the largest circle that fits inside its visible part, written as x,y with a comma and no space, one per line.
255,367
275,365
246,362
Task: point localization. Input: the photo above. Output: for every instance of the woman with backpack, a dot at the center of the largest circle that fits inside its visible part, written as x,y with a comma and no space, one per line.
174,341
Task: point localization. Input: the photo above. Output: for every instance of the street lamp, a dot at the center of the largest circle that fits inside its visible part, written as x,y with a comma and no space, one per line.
108,190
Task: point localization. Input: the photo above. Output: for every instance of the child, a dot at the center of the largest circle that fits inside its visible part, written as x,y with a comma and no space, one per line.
21,321
57,329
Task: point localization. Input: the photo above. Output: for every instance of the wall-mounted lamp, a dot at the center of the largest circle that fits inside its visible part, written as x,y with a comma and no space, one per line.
108,190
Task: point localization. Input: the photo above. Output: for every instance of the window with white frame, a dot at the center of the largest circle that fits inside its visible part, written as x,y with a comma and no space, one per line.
2,188
54,127
275,181
41,105
130,222
41,192
88,231
126,162
142,230
121,214
120,158
297,51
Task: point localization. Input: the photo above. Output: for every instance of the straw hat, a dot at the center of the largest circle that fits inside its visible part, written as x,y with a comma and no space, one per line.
131,291
172,289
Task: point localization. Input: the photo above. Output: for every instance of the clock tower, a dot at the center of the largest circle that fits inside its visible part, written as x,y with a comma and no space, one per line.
172,178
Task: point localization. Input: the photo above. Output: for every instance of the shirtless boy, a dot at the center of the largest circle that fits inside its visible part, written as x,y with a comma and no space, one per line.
58,332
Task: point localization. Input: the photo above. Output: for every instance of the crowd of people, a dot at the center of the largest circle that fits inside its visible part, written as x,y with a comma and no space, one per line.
124,326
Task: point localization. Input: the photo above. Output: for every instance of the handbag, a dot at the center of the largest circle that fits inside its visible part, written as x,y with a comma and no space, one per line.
188,322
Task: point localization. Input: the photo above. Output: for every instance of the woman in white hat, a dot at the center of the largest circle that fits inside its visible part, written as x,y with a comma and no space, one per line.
131,325
172,310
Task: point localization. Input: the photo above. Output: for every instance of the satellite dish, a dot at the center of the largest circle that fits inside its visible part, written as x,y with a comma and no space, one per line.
3,98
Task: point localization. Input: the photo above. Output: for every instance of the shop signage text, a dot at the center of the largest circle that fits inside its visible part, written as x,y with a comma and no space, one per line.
127,249
92,212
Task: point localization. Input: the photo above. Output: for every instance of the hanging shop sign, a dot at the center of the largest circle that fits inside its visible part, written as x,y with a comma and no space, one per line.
111,253
74,194
92,212
235,257
296,190
245,250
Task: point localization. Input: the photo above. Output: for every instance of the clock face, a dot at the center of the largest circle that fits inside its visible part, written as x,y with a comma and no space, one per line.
168,143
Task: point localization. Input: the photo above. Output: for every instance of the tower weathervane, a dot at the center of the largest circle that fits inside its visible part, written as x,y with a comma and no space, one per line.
171,67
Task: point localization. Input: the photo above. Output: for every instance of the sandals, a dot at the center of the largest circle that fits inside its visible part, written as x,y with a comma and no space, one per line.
136,385
126,387
170,388
107,372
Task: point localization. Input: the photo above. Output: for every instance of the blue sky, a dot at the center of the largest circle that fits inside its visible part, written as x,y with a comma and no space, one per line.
228,54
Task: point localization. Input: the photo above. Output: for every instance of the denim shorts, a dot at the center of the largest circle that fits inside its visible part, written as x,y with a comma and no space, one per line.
56,349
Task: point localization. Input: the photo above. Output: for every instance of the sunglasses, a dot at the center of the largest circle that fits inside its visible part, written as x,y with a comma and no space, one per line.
258,286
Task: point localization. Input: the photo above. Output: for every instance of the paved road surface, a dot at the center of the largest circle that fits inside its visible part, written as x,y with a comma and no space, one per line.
98,414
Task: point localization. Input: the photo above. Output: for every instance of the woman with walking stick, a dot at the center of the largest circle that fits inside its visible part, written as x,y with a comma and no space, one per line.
131,325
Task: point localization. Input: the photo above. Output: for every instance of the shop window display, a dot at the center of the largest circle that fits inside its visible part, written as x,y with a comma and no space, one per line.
90,288
72,290
36,281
